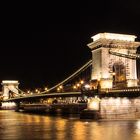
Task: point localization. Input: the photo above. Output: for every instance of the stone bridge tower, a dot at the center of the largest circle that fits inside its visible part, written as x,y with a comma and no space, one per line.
114,60
9,86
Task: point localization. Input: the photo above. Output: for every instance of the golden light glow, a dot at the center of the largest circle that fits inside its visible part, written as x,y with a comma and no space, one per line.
106,84
98,79
87,86
61,87
114,36
113,73
74,87
78,85
46,88
82,82
36,90
131,83
94,104
10,104
125,101
58,89
118,102
138,125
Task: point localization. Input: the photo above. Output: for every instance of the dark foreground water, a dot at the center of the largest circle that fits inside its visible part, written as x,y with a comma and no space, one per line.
23,126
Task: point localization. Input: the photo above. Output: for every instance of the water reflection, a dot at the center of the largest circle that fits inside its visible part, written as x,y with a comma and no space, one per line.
21,126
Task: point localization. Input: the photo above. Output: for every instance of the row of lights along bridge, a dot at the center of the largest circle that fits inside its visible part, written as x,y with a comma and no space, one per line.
61,88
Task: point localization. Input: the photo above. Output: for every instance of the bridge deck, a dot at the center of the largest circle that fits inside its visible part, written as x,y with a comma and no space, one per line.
128,92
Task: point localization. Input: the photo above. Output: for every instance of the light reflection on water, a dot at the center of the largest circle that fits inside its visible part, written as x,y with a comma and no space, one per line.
21,126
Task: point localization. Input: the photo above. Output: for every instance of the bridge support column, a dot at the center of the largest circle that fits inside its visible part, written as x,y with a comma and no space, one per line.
93,109
114,60
9,86
17,106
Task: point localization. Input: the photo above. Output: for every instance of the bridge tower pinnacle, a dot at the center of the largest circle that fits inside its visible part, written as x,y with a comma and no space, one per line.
9,86
114,60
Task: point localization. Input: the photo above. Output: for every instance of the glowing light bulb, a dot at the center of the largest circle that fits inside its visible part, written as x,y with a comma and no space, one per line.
78,85
61,87
74,87
82,82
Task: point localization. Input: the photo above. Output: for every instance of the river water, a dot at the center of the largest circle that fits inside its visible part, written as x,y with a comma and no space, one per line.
23,126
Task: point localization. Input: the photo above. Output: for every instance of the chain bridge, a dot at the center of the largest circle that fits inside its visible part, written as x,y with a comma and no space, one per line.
111,73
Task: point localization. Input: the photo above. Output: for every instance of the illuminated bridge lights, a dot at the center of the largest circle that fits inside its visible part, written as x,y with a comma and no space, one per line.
59,87
74,87
82,81
133,90
46,89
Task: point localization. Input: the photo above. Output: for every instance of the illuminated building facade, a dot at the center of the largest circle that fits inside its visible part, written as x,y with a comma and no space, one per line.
114,60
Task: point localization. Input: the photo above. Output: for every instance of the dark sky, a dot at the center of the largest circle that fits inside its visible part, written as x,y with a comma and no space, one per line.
44,44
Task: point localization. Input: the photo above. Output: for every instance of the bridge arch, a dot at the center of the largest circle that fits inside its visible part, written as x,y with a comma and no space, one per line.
119,74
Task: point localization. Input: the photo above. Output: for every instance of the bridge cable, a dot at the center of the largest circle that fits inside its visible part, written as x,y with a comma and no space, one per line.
129,55
85,66
81,69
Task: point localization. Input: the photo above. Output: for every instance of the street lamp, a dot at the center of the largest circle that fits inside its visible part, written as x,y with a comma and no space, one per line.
61,87
46,89
78,85
74,87
82,82
58,89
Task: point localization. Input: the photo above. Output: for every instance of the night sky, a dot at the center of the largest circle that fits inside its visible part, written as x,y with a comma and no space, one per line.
44,44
